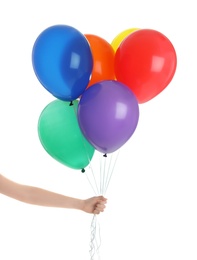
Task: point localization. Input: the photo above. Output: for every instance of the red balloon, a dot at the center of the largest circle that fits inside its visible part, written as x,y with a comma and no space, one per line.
146,62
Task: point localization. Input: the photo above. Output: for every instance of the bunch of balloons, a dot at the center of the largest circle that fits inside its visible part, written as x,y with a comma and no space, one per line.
98,87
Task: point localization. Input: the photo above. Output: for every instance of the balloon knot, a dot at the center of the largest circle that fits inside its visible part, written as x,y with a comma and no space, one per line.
83,170
105,155
71,103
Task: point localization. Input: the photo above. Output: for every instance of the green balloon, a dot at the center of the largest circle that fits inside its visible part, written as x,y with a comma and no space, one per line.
61,137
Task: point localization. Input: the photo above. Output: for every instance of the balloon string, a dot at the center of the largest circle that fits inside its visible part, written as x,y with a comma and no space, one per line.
107,165
110,171
95,241
107,174
96,189
93,183
102,174
106,171
96,192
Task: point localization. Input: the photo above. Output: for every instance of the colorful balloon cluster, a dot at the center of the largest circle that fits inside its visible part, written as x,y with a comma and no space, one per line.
98,87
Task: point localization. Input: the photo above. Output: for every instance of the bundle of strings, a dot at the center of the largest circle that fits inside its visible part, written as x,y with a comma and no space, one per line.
95,239
99,182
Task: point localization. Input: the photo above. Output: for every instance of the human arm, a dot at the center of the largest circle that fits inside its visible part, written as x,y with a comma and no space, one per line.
42,197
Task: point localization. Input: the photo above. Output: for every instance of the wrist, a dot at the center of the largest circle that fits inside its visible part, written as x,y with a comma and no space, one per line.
79,204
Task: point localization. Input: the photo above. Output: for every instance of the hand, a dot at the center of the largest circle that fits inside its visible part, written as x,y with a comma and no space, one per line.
95,205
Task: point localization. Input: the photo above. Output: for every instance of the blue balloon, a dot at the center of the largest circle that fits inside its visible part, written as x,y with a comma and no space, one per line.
62,61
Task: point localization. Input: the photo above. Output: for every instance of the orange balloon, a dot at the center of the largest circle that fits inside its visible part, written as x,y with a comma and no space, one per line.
103,59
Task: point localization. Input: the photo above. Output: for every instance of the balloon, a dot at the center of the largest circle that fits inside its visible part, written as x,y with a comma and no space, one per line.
62,61
61,137
146,62
121,36
103,59
108,114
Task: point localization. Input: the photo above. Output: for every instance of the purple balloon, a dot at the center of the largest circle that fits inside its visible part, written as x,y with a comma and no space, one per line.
108,114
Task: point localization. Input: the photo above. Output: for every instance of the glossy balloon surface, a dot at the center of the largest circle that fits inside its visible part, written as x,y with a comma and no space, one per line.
103,59
146,62
62,61
61,137
108,114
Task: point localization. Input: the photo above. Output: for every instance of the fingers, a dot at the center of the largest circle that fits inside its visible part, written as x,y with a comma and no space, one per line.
101,198
96,212
100,207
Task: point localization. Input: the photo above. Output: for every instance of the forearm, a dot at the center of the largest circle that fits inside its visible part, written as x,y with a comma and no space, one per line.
37,196
41,197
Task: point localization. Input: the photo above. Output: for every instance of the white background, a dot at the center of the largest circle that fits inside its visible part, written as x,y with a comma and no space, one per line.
152,197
